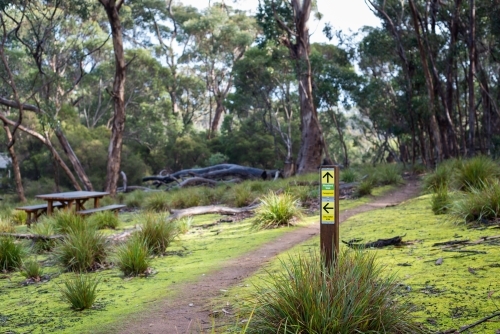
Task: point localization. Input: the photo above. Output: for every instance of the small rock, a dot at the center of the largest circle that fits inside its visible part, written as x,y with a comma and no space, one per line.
190,304
439,261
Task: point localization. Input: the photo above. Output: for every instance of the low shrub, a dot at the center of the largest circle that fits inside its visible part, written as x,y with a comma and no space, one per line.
46,229
475,173
351,296
11,254
479,204
132,257
81,250
157,232
157,202
32,269
348,175
80,291
276,210
103,219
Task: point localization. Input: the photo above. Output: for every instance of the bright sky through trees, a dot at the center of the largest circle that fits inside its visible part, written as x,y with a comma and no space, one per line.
342,14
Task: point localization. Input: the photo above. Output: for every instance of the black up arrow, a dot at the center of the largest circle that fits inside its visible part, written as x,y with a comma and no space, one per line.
326,208
328,176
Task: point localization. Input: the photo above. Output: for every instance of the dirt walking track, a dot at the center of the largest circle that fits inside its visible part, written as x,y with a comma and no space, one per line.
187,311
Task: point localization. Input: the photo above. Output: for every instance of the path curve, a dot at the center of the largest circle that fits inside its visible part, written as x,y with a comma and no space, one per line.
187,311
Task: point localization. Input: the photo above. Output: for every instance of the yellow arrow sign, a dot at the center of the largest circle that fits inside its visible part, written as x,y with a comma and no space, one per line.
327,176
328,211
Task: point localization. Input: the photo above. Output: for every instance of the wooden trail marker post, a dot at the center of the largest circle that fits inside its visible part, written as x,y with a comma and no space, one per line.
329,212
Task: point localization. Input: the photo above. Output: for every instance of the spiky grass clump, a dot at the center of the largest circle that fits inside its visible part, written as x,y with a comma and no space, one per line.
65,221
476,173
441,177
348,175
157,202
6,226
80,291
133,257
186,198
276,210
389,174
440,200
365,188
32,270
479,204
45,229
104,219
184,224
81,250
351,296
19,217
11,254
157,232
135,199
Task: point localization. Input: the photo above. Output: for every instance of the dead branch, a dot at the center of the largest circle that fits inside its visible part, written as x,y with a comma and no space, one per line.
33,237
395,241
203,210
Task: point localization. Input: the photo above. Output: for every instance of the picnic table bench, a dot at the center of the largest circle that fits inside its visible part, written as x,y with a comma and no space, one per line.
114,207
35,211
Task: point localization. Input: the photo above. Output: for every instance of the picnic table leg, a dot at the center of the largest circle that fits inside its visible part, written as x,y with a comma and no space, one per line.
96,202
49,208
28,219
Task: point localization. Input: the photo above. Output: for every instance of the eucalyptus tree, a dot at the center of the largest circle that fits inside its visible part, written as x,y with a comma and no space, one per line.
287,23
221,35
57,40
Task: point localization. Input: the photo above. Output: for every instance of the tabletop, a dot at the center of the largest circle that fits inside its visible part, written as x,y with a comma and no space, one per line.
71,195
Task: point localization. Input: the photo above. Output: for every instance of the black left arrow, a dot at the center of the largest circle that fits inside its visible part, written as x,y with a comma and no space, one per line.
328,176
326,208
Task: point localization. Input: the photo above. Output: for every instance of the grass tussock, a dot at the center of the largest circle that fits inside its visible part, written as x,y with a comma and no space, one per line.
157,232
475,173
157,202
134,199
351,297
81,250
276,210
65,221
80,291
11,254
133,257
479,204
19,217
32,270
440,200
46,229
6,226
348,175
103,219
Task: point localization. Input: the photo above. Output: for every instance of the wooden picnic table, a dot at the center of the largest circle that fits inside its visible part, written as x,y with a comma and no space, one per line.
68,198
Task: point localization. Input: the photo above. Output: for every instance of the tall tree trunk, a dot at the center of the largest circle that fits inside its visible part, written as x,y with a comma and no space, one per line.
472,73
15,164
219,110
434,128
112,9
312,143
333,115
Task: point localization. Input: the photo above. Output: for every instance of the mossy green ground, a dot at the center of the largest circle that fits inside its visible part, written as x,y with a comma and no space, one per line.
463,289
39,308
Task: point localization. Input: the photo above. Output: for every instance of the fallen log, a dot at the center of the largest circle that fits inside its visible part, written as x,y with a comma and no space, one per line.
34,237
203,210
395,241
216,172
